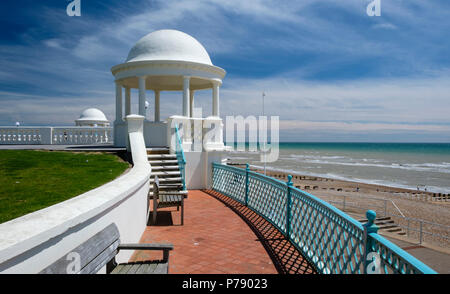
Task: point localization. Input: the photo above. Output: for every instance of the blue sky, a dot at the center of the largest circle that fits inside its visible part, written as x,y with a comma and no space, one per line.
331,72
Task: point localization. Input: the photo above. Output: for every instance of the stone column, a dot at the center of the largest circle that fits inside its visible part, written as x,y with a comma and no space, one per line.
191,104
157,106
142,89
216,100
186,84
127,101
118,103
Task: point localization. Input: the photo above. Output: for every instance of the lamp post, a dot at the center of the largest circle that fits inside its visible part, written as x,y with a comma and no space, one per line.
147,105
264,148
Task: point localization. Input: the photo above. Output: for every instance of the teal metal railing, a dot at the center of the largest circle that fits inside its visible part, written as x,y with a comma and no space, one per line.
329,239
180,157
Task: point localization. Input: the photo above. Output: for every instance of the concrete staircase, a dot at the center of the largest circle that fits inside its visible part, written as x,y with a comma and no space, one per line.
165,166
386,224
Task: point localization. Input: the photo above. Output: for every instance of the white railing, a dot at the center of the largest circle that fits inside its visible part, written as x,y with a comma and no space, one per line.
55,135
24,135
81,136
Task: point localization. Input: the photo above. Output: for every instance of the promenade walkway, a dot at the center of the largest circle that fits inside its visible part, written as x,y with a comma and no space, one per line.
221,236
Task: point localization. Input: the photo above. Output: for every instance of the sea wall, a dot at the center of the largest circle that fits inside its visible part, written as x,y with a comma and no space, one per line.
31,243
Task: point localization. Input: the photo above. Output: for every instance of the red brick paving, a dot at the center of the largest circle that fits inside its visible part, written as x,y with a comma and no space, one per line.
215,239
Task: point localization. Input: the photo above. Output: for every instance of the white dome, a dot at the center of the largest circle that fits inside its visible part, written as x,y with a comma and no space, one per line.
169,45
92,114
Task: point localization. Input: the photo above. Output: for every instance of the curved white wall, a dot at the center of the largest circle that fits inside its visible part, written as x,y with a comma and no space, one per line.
31,243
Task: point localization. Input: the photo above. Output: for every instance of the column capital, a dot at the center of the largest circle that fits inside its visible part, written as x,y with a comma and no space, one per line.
216,82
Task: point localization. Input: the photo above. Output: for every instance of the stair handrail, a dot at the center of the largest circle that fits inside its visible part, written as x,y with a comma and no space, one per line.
180,156
398,209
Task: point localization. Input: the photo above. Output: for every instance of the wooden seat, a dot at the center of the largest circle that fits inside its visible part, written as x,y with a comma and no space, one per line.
166,200
101,250
141,268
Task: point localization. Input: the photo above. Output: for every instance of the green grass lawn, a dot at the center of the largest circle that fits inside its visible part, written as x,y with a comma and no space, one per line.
32,180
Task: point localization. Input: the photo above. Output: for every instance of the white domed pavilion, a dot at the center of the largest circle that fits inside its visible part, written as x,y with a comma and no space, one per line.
92,117
164,60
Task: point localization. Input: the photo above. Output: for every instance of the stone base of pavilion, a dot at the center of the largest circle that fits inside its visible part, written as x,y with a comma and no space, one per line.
221,236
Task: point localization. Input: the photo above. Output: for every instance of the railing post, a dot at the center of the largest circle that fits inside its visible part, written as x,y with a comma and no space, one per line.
420,233
369,228
288,207
407,232
183,173
247,170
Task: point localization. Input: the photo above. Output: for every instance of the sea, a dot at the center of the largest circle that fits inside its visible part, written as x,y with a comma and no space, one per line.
423,166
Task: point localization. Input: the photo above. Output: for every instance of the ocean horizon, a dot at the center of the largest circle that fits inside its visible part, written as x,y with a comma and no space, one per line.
423,166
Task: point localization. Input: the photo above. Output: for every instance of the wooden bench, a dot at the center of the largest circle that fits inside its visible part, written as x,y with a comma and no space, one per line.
101,250
163,200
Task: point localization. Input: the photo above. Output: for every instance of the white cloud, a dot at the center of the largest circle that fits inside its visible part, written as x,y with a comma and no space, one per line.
387,26
389,100
358,127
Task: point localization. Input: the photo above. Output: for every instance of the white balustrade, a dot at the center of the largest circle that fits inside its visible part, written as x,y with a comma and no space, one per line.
55,135
24,135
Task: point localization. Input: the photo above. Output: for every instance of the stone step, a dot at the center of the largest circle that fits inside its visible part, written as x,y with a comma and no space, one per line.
387,224
163,181
165,167
376,220
167,182
166,174
388,227
161,150
161,156
395,230
158,168
163,162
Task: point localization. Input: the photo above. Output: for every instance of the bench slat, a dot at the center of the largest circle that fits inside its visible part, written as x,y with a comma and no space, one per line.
125,268
161,269
101,260
80,257
141,268
133,269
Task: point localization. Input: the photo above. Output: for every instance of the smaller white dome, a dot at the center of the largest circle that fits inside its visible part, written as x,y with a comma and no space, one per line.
92,117
93,114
